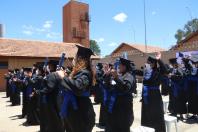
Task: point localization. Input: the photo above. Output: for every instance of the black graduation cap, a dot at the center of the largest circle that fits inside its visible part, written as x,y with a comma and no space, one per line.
35,65
16,70
173,61
27,69
40,65
9,70
99,65
152,59
84,52
53,62
125,62
185,60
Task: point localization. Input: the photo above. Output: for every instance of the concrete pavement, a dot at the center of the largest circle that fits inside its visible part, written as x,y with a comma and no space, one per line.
9,121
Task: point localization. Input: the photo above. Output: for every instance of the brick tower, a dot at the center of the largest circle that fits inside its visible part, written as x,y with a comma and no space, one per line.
76,23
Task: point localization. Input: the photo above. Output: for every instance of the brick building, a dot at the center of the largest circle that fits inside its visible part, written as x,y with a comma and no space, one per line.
189,43
133,49
76,23
137,54
24,53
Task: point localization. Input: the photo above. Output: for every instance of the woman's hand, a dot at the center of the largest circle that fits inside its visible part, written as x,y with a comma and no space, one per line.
169,75
61,74
158,55
14,79
32,94
107,69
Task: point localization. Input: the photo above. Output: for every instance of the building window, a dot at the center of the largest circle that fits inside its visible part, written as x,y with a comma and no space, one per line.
3,65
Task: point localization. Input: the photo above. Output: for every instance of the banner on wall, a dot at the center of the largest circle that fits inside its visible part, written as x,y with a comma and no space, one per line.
186,54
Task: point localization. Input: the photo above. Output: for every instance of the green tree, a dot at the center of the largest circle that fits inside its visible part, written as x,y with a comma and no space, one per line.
190,27
95,47
179,35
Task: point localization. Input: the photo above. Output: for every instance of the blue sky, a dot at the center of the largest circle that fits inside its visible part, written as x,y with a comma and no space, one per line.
112,21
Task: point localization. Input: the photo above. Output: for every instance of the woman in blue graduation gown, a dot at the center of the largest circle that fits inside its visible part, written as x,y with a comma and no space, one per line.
77,109
118,99
192,88
152,105
177,103
50,118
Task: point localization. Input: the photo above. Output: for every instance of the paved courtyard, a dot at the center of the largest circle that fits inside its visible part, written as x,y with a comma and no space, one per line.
9,121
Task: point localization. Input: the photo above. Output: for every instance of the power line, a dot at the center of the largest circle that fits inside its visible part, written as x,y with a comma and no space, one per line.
134,33
190,13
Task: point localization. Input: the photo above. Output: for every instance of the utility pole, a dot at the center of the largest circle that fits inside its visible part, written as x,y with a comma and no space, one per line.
145,27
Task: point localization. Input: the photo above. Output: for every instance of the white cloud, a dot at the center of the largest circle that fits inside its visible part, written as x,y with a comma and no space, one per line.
40,30
45,30
113,44
53,35
32,29
153,13
27,32
100,40
27,27
48,24
121,17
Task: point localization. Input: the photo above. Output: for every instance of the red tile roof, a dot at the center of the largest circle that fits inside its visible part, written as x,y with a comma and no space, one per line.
141,48
29,48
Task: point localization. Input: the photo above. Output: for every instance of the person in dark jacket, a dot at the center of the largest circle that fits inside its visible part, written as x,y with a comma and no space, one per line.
133,72
192,88
15,89
118,99
38,85
152,105
77,108
99,93
7,78
50,118
30,99
165,82
177,99
24,84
